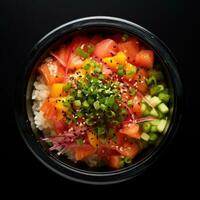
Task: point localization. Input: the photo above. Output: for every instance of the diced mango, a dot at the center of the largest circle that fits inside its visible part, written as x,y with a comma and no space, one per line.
56,90
120,58
60,115
93,139
110,61
59,104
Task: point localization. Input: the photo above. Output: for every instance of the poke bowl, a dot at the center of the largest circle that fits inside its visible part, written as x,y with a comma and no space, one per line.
98,100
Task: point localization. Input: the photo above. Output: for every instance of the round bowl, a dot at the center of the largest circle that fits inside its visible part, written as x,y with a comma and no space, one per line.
23,102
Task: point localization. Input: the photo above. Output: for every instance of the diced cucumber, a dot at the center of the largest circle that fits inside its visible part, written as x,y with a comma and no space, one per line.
155,122
148,97
151,80
160,115
154,128
155,101
156,89
146,126
164,97
143,107
158,74
49,143
153,112
161,126
153,137
165,91
163,108
145,136
142,144
146,112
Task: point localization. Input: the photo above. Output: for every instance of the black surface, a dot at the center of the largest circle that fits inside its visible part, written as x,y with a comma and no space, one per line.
24,22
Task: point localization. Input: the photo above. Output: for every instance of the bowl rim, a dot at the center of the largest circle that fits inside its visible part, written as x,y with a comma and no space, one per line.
76,174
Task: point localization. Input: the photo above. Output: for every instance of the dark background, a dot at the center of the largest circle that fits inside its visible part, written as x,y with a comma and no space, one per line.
24,22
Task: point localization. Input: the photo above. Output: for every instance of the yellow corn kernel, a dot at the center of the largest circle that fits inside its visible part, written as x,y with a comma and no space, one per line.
120,58
110,61
93,139
59,104
56,90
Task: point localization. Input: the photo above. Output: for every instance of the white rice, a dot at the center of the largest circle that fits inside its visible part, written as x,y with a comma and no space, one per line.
39,95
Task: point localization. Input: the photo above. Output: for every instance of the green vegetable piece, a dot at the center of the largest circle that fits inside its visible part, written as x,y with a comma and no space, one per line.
155,101
161,126
114,139
154,128
163,108
90,100
86,104
96,105
80,52
97,69
151,80
144,136
153,137
101,76
68,121
77,103
122,163
79,114
101,130
160,115
127,160
143,107
66,103
153,112
125,37
132,70
103,107
157,74
146,126
146,112
109,101
164,97
115,107
79,141
49,143
70,98
90,48
79,94
89,122
132,92
87,66
110,132
155,122
123,112
156,89
111,114
120,70
130,102
67,86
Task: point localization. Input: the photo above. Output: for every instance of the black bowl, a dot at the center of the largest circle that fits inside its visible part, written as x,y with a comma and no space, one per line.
23,110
